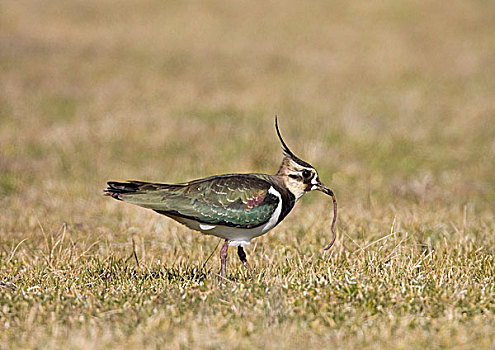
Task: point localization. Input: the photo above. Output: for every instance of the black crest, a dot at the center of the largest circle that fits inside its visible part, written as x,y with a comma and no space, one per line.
287,151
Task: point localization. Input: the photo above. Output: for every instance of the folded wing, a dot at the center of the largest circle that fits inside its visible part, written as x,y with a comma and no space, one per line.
239,200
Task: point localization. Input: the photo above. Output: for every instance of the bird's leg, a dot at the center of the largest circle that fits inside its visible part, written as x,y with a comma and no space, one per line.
242,256
223,259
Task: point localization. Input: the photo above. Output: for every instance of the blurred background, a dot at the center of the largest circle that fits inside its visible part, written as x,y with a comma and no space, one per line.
393,102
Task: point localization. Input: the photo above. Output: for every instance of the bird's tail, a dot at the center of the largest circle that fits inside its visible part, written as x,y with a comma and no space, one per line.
115,189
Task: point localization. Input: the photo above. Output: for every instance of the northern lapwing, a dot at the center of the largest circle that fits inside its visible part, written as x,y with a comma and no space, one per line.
234,207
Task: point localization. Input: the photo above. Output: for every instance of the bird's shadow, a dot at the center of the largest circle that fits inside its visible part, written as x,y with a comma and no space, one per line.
173,274
114,273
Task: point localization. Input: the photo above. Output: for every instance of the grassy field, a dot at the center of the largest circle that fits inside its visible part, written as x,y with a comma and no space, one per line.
393,103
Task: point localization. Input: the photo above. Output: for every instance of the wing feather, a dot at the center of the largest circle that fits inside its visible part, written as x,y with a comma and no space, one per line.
237,200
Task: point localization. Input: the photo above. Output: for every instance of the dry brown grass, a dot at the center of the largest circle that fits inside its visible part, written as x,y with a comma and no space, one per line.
391,101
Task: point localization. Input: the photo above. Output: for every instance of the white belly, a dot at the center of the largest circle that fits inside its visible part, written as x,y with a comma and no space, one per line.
236,236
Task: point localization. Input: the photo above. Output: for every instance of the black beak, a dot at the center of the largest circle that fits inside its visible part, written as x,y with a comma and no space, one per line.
321,187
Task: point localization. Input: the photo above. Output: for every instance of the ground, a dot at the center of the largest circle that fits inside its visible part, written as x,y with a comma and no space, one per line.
391,101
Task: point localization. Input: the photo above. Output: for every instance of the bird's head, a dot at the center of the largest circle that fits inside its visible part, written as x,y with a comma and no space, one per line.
299,176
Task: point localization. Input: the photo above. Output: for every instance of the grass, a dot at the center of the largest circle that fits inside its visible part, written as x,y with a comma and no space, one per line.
391,102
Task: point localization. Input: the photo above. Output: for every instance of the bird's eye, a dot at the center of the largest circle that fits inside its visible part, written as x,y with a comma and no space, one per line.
306,173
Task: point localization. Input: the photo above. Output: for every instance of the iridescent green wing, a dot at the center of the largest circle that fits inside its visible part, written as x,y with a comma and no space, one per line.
241,200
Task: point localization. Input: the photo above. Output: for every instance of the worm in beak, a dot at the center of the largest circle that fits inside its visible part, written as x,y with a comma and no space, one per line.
321,187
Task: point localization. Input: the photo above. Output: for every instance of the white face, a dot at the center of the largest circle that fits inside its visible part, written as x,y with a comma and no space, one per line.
300,179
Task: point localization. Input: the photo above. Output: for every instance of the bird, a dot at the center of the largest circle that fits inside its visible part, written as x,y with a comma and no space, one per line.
234,207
